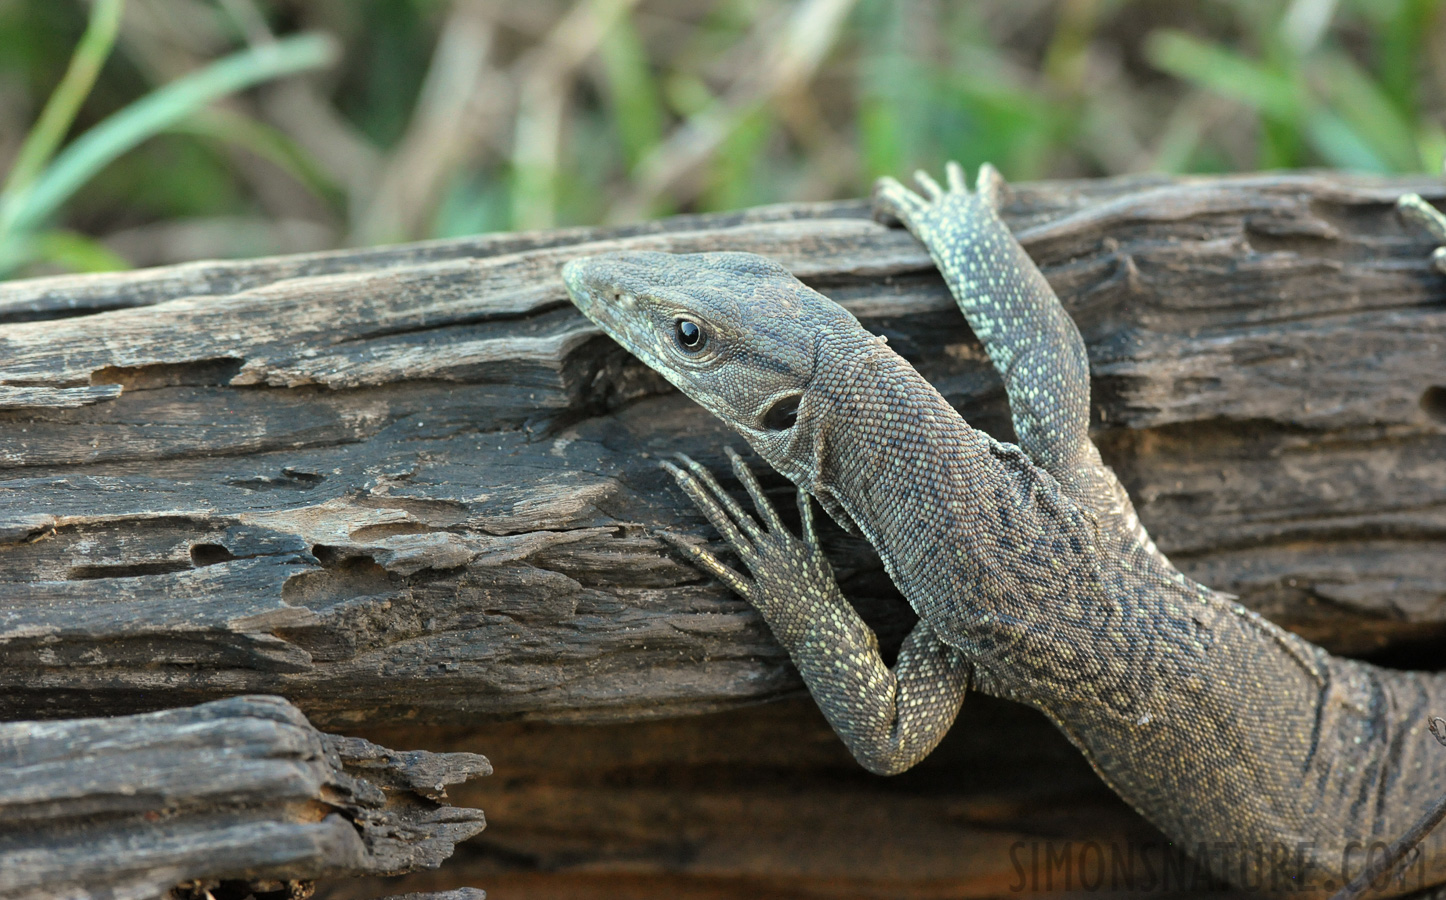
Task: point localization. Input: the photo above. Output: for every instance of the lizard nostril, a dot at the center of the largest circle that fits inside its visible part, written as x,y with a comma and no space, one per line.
1433,402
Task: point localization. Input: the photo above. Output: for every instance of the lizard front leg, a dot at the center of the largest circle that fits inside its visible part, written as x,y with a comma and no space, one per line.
888,719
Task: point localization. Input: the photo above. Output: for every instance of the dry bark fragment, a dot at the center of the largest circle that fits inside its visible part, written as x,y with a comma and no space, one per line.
238,792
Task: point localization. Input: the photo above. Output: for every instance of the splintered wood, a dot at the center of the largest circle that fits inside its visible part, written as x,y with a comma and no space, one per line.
241,792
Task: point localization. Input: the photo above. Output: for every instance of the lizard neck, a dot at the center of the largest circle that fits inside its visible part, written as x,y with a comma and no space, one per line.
946,506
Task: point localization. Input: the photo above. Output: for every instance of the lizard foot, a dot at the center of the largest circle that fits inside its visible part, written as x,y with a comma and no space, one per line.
1413,207
890,719
934,204
789,574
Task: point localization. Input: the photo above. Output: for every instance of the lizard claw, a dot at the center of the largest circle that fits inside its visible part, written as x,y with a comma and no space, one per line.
954,174
705,496
705,560
778,561
736,526
988,184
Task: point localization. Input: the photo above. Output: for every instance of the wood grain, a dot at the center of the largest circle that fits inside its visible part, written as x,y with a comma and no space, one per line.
412,484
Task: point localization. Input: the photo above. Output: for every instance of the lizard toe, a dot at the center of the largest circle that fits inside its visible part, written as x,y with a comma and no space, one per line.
1415,208
927,185
894,202
989,185
708,562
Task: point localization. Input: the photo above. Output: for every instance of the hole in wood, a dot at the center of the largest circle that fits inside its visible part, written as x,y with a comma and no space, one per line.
260,889
201,372
1433,401
343,579
290,480
131,570
209,555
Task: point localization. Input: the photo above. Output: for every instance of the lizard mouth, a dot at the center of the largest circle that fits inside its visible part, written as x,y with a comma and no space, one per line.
583,288
574,275
591,286
591,283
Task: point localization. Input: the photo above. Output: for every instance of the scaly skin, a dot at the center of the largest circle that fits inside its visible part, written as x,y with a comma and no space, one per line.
1032,577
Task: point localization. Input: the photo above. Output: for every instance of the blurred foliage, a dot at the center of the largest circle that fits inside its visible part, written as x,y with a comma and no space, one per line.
42,179
448,117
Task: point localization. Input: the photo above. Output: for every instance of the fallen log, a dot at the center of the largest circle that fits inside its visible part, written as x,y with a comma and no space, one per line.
413,485
229,797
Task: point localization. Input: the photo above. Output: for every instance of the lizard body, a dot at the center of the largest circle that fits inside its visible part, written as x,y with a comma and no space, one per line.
1031,574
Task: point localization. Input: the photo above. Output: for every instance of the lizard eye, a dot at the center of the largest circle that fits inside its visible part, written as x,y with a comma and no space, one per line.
690,334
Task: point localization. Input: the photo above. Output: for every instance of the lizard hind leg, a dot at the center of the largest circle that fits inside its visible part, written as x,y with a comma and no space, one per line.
1030,338
889,719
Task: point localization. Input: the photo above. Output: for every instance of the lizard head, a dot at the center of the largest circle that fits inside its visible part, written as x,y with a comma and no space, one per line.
734,331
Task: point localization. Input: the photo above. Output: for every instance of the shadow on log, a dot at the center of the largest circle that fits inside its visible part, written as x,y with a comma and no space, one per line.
766,802
228,798
415,485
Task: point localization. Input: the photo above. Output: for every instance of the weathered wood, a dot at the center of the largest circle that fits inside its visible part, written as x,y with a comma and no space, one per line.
766,802
455,894
413,484
234,791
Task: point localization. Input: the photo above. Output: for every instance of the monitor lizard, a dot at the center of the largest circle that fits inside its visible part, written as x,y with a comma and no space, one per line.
1032,577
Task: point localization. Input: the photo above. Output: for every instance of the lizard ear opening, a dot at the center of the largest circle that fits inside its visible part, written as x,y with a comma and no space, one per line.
782,414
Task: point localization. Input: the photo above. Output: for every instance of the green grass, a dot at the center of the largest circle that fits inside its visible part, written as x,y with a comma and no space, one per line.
651,108
44,177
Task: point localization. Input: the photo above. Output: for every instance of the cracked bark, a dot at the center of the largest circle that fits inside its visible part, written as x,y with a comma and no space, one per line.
229,797
412,484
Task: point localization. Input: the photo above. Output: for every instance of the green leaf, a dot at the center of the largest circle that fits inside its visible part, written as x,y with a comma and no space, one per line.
1282,143
1399,47
472,204
1224,72
265,141
896,102
75,252
1015,126
1431,147
55,120
737,176
632,91
880,136
1340,145
65,249
1370,113
159,110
